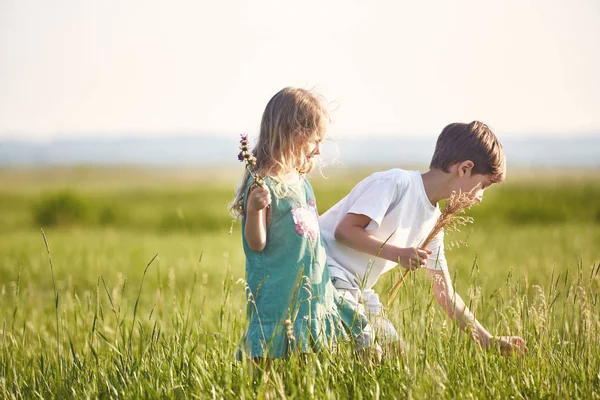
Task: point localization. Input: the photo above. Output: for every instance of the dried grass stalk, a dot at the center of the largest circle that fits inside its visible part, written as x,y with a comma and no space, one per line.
449,219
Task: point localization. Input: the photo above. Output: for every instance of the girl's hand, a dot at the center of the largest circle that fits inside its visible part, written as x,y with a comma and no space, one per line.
259,199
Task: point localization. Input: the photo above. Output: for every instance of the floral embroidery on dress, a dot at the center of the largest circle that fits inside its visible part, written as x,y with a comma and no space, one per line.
306,220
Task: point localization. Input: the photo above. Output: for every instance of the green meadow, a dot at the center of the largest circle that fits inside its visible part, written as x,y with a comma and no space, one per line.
136,291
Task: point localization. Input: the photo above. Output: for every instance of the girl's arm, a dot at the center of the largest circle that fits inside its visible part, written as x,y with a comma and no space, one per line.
257,204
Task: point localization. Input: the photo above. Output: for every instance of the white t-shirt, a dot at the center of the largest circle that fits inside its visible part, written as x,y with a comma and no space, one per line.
399,209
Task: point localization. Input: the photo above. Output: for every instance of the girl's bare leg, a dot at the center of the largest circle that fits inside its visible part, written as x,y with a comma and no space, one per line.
261,368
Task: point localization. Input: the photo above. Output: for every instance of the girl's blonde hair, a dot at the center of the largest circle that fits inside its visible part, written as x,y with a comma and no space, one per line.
293,120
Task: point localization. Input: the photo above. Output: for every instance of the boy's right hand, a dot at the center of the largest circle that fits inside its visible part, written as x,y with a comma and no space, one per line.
412,258
260,198
511,345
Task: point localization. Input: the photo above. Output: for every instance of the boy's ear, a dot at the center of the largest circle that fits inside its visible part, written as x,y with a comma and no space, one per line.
465,168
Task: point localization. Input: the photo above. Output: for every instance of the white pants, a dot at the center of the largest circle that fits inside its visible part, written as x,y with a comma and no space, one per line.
367,303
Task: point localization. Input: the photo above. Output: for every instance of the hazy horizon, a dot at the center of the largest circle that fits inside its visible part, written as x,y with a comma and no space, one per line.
222,150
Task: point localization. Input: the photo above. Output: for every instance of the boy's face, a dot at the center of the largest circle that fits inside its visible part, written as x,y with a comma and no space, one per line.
474,183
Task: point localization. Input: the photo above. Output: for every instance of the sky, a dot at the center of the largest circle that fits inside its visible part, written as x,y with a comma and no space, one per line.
83,68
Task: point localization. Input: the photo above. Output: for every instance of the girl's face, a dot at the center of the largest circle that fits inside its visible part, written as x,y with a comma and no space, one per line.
314,149
314,144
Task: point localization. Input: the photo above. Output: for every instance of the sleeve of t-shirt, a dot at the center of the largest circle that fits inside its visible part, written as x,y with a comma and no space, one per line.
437,259
374,199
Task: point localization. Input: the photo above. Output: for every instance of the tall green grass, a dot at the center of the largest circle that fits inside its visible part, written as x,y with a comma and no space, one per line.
107,319
203,207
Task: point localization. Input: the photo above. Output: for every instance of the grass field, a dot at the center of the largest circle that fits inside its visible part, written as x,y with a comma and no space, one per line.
97,318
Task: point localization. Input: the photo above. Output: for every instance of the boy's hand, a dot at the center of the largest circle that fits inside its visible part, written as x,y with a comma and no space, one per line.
260,198
412,258
510,345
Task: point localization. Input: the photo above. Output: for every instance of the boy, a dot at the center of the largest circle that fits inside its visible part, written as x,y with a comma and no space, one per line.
402,206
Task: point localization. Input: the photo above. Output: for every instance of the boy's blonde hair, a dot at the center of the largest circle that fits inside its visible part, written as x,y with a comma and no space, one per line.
459,142
293,120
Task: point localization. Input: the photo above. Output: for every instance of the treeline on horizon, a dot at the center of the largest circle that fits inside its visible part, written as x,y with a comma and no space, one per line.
204,207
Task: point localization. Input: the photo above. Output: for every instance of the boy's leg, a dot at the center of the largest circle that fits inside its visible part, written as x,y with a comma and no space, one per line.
385,332
352,295
349,293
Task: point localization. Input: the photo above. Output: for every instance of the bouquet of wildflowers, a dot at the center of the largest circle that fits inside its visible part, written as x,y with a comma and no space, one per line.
248,158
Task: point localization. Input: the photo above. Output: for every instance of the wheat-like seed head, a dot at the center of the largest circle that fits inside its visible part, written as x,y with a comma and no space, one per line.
449,219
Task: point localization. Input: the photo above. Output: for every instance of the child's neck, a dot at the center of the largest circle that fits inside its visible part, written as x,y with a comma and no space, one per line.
436,183
289,176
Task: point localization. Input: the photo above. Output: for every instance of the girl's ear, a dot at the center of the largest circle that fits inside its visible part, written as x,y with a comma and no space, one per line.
465,168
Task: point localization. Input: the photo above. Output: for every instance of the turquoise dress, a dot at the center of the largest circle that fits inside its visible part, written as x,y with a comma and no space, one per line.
292,305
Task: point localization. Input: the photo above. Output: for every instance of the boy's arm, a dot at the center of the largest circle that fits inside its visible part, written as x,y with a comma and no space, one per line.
351,232
456,309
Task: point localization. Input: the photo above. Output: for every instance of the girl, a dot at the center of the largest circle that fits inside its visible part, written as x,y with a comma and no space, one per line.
292,305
